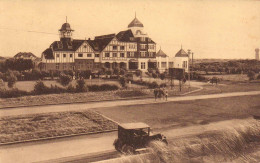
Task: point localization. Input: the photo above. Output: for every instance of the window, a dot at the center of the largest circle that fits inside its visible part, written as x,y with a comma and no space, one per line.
142,54
89,55
151,46
171,64
57,55
80,55
143,39
185,64
122,48
107,55
70,55
132,38
122,54
64,66
163,65
130,54
114,54
150,54
96,55
114,47
85,46
142,65
142,46
57,66
64,55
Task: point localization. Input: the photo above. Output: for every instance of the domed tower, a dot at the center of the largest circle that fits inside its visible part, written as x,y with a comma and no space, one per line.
137,28
66,32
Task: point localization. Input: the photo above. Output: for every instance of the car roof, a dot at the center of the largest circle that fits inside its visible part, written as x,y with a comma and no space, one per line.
137,125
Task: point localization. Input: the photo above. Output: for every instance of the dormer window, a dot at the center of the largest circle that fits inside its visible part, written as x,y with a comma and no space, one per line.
143,39
57,55
132,38
85,46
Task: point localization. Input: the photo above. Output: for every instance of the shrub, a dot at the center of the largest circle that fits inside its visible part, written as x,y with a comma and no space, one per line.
40,88
251,75
81,86
116,71
154,75
123,81
138,73
258,77
103,87
163,85
12,93
131,93
162,76
71,89
122,72
108,87
11,80
153,85
64,79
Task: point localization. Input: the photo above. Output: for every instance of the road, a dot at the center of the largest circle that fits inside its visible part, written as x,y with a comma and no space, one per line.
84,106
89,147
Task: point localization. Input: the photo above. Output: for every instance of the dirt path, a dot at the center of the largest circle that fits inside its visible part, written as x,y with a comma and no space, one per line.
84,106
73,148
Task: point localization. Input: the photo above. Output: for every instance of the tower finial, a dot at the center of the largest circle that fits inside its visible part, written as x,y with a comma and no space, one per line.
181,46
66,19
135,14
160,47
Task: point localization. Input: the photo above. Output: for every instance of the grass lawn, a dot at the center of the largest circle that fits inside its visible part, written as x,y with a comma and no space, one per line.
225,87
29,85
230,77
83,97
186,113
20,128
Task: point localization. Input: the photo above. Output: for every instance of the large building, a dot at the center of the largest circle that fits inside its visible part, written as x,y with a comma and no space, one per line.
131,49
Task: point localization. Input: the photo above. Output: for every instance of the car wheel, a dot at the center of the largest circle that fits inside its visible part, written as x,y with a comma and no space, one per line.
127,149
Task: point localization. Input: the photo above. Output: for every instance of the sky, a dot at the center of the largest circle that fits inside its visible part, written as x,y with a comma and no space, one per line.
210,29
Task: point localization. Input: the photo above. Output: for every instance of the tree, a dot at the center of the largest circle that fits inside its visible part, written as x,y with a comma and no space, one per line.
251,75
154,75
65,79
162,76
11,80
122,81
81,86
138,73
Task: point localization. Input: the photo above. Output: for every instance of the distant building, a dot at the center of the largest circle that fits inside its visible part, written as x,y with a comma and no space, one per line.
25,55
257,54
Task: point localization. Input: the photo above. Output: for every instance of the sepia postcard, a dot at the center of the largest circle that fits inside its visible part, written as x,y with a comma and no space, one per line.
137,81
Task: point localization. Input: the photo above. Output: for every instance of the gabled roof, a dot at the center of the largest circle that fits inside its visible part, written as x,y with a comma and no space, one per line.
181,53
25,55
48,54
160,53
100,42
135,23
125,36
66,45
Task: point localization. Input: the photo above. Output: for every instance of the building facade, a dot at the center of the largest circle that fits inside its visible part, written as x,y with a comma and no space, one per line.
131,49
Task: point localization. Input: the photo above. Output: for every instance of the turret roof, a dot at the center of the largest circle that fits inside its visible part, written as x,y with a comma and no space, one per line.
135,23
181,53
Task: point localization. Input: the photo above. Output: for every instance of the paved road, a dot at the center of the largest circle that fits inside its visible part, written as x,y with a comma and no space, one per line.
85,147
84,106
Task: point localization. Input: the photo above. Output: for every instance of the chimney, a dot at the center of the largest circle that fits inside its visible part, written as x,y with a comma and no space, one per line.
257,54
